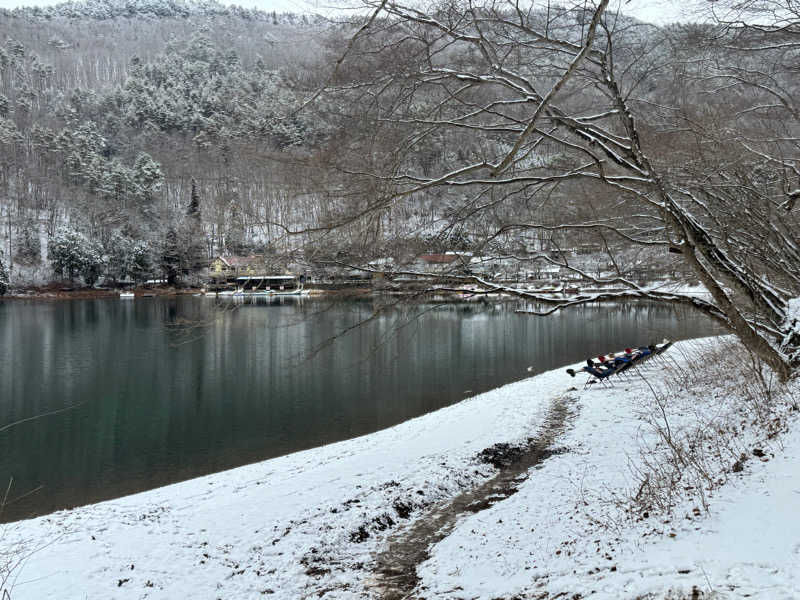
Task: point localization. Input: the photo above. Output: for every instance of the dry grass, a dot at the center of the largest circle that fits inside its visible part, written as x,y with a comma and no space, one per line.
714,410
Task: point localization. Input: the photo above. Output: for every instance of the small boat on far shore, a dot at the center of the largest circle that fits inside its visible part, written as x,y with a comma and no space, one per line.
126,295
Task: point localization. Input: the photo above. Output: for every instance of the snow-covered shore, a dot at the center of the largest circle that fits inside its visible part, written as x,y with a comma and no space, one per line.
310,524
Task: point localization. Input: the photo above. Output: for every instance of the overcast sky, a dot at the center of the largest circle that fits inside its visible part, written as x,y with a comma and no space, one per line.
654,11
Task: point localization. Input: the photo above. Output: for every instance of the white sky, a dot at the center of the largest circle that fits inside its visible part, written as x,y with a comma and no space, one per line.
654,11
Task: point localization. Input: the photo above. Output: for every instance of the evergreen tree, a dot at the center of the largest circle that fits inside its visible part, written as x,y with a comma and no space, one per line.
3,278
72,254
193,212
64,252
195,255
92,264
170,257
141,265
119,250
148,176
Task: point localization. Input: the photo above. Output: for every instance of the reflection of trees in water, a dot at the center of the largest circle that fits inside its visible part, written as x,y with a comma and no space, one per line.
176,387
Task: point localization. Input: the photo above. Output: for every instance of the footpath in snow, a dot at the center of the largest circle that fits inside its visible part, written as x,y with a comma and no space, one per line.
591,517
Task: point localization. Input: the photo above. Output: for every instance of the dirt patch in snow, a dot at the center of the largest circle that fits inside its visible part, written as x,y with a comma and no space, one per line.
395,568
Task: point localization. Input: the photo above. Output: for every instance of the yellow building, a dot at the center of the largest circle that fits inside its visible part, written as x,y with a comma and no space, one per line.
226,269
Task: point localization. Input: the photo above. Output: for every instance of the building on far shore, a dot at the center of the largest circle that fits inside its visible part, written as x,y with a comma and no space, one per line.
250,273
225,270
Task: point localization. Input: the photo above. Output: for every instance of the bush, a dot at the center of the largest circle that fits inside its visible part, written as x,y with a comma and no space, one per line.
711,414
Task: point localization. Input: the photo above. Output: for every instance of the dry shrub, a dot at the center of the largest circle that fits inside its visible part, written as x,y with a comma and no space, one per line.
10,558
715,407
13,552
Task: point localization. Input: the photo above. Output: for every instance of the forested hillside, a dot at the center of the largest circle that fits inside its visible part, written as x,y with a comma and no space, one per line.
109,111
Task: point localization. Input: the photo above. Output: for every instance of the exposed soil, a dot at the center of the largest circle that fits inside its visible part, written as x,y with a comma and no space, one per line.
395,569
64,291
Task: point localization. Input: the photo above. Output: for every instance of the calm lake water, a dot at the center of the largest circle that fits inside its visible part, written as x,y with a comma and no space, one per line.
164,389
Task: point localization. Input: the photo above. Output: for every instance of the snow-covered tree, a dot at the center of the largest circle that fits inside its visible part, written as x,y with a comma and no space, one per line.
119,253
203,89
3,278
148,176
72,254
170,257
550,115
92,266
65,252
194,257
141,265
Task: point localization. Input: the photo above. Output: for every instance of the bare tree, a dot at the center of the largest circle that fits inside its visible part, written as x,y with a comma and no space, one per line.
550,121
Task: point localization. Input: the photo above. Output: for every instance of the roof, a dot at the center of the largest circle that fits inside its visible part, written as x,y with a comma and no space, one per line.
439,258
268,278
242,261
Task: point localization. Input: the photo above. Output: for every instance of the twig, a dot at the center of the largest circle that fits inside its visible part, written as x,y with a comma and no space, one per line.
39,416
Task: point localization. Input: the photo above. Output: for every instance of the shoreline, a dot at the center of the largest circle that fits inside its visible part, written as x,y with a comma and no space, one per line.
51,293
60,292
313,523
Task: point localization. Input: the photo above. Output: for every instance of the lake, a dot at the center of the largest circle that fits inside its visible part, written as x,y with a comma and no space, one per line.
135,394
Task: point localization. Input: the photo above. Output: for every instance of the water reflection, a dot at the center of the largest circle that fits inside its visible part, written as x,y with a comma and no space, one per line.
167,389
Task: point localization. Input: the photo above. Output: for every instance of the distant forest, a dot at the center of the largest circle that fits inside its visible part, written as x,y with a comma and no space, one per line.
109,112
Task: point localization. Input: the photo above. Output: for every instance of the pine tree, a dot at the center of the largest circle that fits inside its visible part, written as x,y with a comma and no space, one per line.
64,252
193,211
71,254
170,257
119,250
148,176
92,264
193,231
141,267
3,278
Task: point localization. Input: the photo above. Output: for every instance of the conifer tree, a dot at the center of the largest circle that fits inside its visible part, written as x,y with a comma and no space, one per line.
195,257
141,265
193,211
71,254
3,278
119,250
170,257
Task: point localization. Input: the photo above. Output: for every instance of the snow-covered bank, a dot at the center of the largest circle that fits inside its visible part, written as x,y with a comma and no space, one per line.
240,533
569,529
310,524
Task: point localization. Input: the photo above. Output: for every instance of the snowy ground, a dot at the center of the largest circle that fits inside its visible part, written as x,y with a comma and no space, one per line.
310,524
